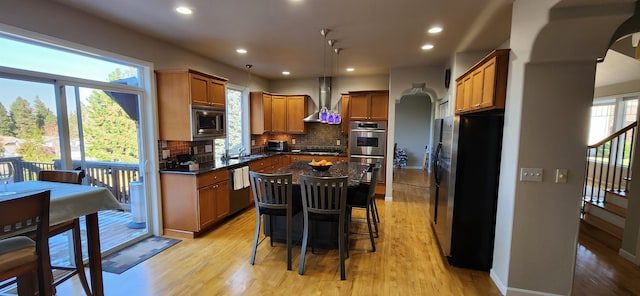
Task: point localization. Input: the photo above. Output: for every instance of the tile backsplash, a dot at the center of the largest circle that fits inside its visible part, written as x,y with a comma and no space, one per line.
195,148
318,136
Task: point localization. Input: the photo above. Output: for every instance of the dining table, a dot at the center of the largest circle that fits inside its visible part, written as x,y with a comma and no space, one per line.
71,201
324,233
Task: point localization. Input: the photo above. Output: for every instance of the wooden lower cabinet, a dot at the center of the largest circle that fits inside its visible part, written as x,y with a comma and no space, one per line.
192,204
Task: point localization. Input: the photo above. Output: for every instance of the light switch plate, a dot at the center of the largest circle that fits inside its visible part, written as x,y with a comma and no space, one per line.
531,174
338,142
253,142
166,154
293,141
195,150
208,148
562,175
163,144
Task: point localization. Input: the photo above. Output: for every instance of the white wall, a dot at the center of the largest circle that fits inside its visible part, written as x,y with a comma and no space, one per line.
551,79
413,128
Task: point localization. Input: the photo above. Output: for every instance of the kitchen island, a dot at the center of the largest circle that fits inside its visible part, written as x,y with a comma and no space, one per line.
323,233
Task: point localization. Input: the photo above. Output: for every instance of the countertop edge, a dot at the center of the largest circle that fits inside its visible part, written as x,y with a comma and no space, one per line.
237,163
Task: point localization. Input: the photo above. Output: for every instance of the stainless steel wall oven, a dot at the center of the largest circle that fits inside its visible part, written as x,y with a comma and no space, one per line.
368,142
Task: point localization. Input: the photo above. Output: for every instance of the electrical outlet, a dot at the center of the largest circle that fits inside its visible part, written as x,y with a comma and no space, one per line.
293,141
195,150
163,144
166,154
253,142
338,142
208,148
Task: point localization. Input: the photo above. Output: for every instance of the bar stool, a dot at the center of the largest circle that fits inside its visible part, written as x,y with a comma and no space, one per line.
71,177
324,199
272,196
20,256
363,198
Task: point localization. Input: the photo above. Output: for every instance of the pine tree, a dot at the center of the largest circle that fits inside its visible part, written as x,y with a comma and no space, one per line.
45,118
6,122
23,117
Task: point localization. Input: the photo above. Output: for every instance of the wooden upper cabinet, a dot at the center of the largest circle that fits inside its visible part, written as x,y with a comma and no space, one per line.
217,93
344,115
207,90
278,114
260,112
368,105
178,89
484,86
296,111
379,107
459,96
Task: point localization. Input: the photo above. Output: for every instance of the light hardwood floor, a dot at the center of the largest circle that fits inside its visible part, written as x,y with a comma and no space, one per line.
407,261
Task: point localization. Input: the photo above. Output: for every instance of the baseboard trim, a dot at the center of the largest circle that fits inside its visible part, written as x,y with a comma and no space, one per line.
626,255
523,292
499,284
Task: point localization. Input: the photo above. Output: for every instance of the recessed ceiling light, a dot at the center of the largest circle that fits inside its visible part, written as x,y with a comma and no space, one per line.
285,73
184,10
427,46
350,69
241,50
434,30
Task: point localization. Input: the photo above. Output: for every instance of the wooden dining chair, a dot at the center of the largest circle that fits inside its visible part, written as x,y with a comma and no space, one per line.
362,197
324,199
72,177
272,194
20,256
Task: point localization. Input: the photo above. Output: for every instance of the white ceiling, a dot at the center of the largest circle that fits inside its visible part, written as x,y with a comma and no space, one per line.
374,35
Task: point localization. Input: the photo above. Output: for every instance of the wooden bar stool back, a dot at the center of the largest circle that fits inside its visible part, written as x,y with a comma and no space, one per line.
272,196
20,256
324,199
72,177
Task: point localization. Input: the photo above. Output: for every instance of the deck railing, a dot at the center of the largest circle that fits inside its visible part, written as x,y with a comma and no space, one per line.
113,175
608,166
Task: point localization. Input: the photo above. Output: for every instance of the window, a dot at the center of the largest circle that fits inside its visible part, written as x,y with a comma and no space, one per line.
602,120
237,132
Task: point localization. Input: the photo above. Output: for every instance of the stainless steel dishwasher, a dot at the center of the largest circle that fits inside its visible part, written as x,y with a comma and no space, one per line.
239,189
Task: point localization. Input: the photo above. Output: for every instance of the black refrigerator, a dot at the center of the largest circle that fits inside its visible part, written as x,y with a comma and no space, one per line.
463,213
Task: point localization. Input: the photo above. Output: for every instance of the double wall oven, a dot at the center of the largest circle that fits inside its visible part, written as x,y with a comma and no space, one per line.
368,142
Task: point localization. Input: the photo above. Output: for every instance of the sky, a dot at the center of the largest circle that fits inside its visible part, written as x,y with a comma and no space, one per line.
26,56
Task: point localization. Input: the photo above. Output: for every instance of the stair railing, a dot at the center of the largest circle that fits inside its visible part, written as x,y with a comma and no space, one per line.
608,165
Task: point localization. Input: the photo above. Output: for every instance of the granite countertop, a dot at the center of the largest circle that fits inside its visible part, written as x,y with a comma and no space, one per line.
219,164
355,171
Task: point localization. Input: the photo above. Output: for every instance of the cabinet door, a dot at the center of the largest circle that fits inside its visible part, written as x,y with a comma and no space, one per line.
279,114
206,206
489,76
217,93
459,96
379,105
266,104
359,107
344,115
221,200
296,111
477,78
468,92
198,88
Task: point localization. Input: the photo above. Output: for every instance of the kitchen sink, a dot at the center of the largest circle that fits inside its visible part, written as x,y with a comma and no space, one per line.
247,157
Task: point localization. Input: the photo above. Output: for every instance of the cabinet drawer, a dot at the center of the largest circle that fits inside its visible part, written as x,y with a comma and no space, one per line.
212,177
257,165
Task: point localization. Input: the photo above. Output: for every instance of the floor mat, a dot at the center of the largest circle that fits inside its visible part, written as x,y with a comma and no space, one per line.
128,257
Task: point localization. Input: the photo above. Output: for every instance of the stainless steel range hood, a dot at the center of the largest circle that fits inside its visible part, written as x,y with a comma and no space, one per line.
324,99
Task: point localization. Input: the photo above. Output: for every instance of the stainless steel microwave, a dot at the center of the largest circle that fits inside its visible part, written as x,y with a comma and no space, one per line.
207,123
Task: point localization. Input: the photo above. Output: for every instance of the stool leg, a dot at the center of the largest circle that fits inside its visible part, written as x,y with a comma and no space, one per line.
255,238
289,227
77,250
373,243
305,238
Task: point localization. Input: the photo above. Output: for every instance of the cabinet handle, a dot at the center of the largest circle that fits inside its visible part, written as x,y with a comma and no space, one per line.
477,105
